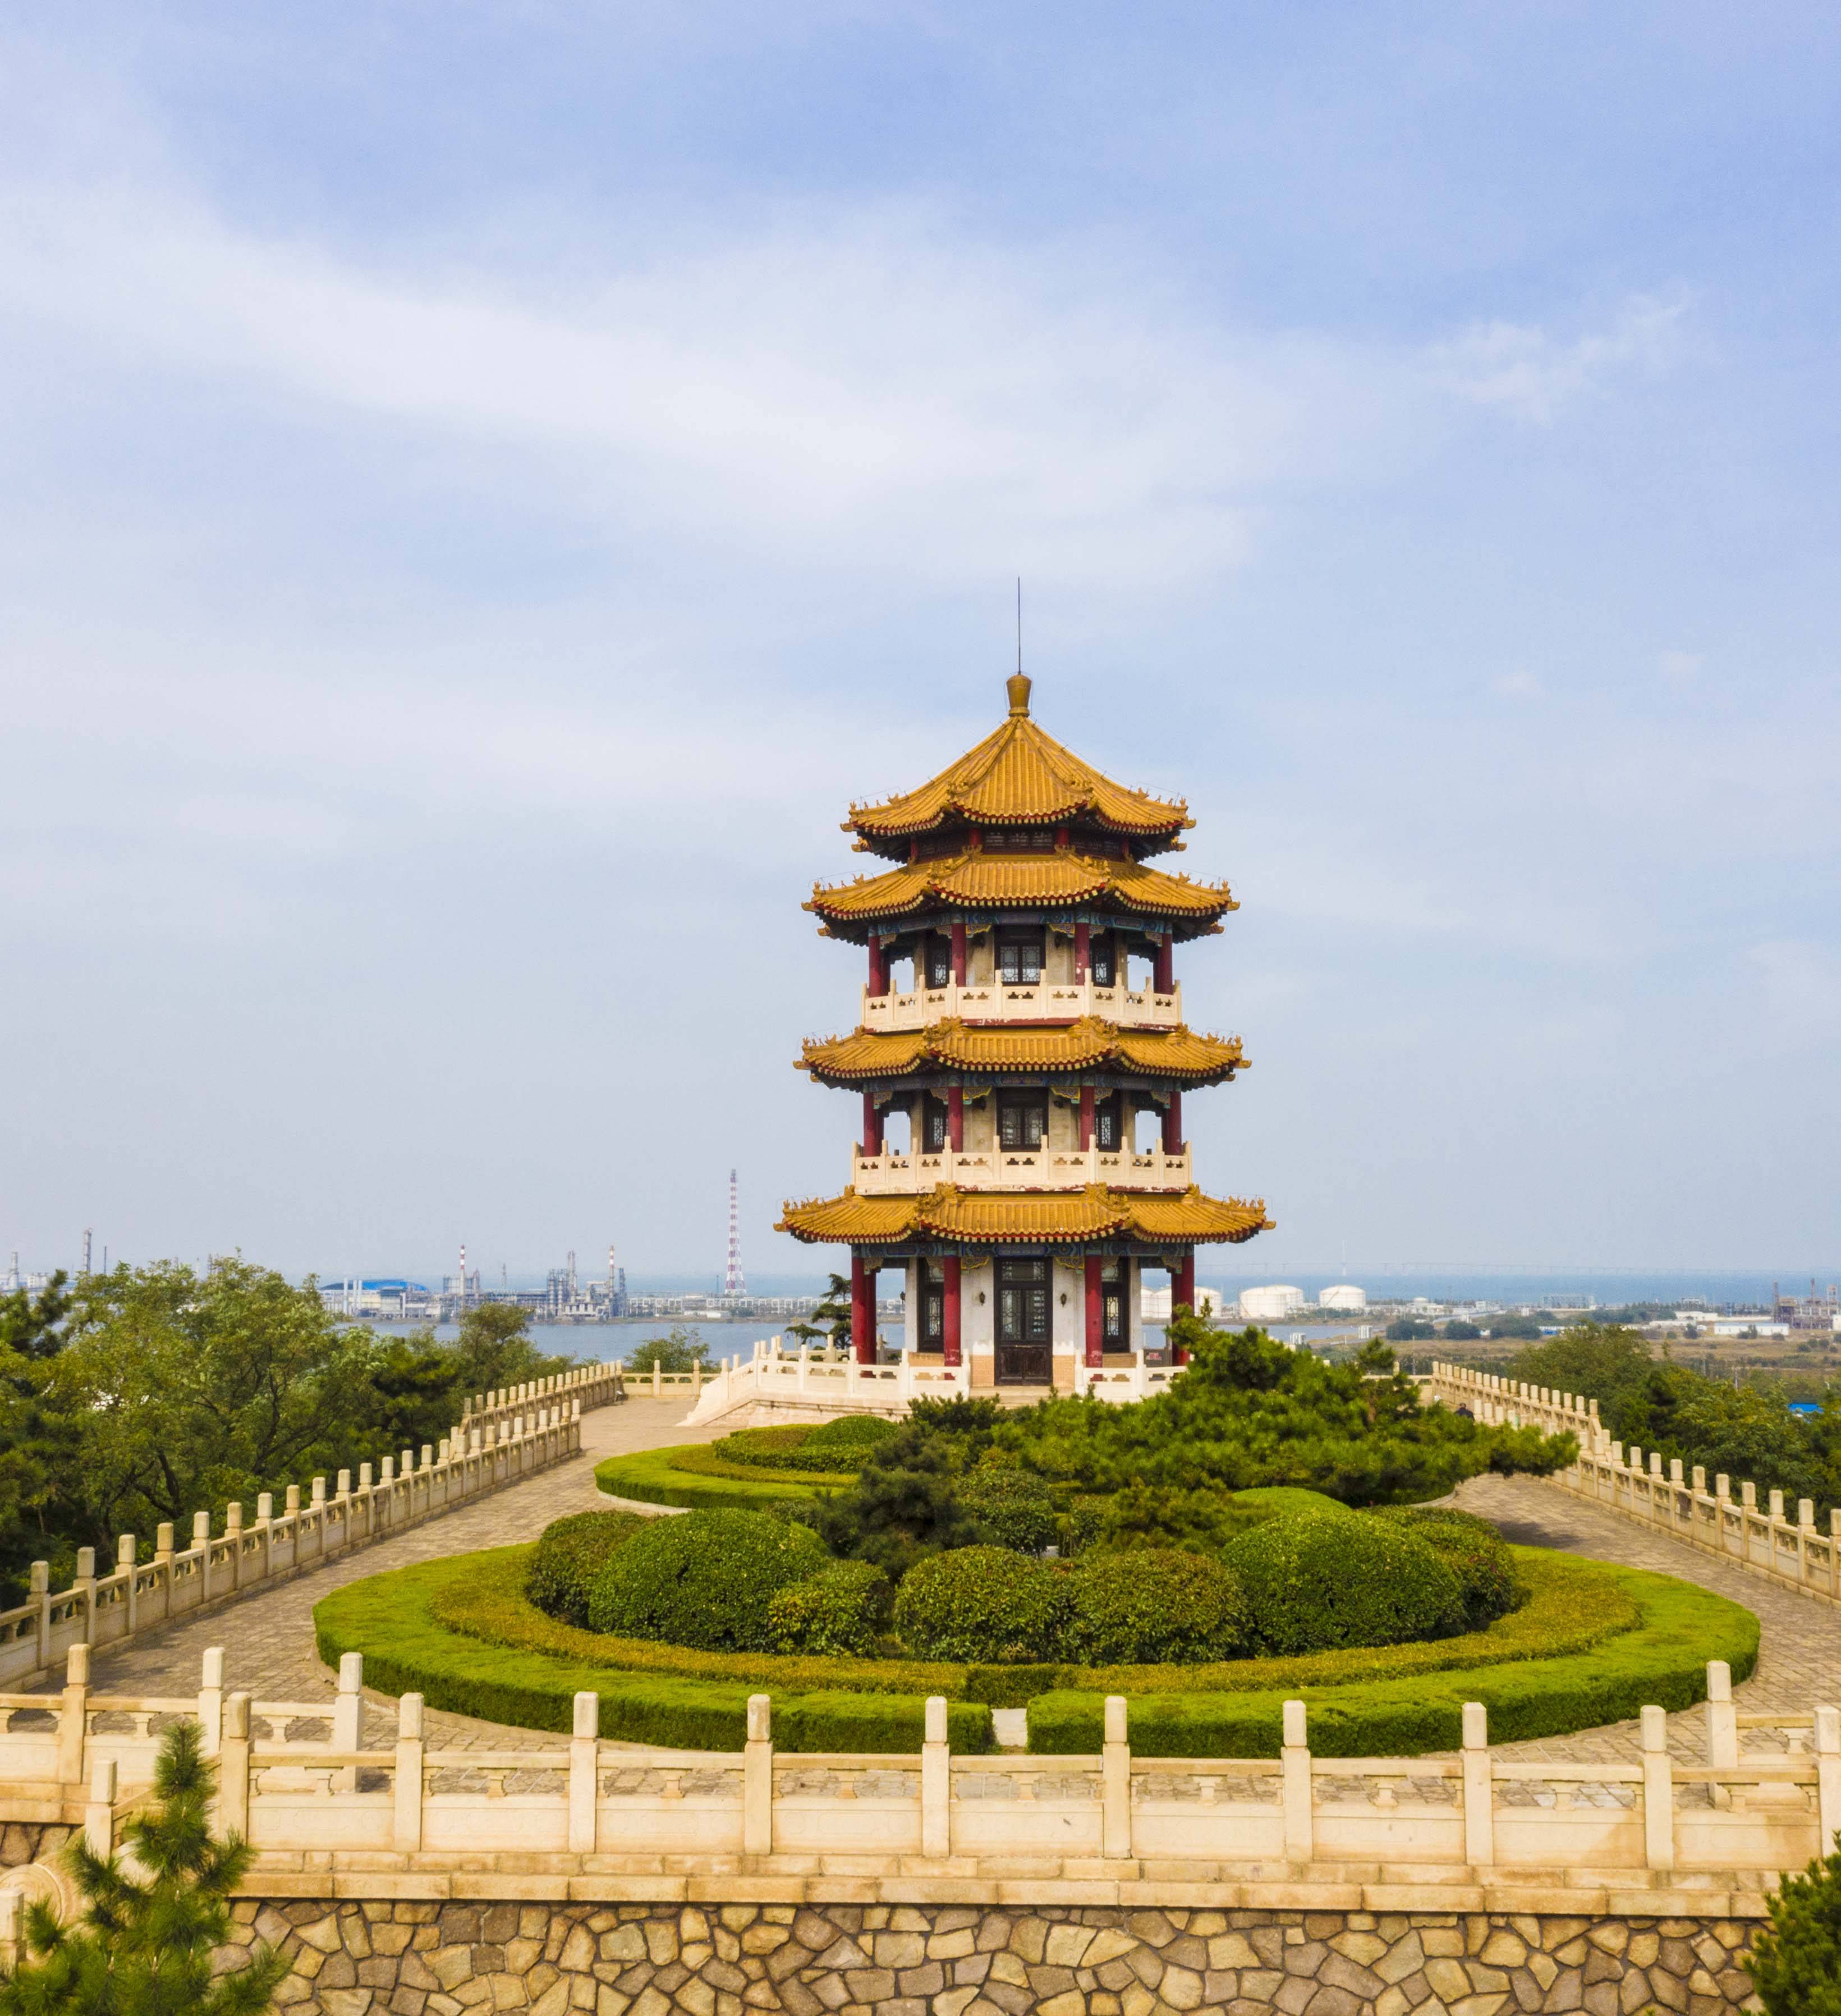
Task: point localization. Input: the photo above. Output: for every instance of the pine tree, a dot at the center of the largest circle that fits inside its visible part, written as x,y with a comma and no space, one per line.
145,1945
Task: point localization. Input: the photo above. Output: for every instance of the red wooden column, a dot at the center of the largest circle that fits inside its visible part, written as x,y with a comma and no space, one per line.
863,1309
958,951
872,1131
1086,1116
949,1314
1096,1330
1082,952
1182,1287
1173,1125
956,1126
878,966
1165,979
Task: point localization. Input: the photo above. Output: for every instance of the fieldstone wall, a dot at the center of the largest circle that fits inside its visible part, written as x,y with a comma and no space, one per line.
639,1959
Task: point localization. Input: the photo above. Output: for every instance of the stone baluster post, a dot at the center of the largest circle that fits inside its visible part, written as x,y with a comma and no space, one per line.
73,1716
39,1593
584,1753
83,1585
936,1783
1115,1818
348,1707
1479,1789
99,1816
124,1567
1828,1780
1294,1768
210,1701
756,1779
1722,1718
406,1817
1658,1792
233,1768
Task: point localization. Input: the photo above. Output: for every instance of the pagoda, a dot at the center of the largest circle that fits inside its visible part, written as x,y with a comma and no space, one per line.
1022,1159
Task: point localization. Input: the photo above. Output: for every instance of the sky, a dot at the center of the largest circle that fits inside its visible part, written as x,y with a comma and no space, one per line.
484,486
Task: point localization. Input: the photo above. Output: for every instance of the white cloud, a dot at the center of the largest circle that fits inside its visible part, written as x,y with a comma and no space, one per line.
1533,374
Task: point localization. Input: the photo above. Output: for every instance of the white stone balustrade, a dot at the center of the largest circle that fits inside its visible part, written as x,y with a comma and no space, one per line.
916,1172
497,1444
808,1379
1042,1001
1761,1538
1472,1831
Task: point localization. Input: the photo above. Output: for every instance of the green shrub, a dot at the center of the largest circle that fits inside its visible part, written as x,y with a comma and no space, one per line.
1009,1508
1149,1605
653,1477
569,1554
828,1446
838,1612
982,1603
1796,1963
1325,1580
388,1619
1472,1549
705,1579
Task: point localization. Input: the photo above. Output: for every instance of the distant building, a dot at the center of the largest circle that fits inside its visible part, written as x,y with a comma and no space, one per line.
1343,1297
1271,1305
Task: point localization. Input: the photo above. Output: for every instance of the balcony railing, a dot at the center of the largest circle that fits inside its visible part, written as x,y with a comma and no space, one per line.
1043,1001
889,1174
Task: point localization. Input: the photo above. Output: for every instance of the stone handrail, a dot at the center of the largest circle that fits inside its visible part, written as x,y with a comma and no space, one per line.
1474,1830
1042,1001
135,1596
593,1385
1762,1538
908,1173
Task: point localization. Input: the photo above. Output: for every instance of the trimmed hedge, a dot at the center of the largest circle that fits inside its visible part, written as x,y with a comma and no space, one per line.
704,1483
987,1603
1662,1660
570,1552
1473,1550
704,1580
837,1613
1154,1605
391,1619
1323,1581
828,1446
1009,1508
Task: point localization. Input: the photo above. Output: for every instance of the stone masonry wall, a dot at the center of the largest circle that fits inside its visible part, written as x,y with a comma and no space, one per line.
399,1959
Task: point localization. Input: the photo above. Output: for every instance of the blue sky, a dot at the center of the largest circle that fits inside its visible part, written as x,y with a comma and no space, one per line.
482,486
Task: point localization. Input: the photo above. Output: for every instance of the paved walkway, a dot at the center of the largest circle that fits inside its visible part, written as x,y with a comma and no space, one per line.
269,1637
1800,1659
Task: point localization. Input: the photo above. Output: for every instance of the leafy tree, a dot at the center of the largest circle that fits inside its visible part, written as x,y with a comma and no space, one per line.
1515,1327
831,1318
1459,1330
41,1438
679,1350
145,1945
1796,1964
1405,1329
494,1350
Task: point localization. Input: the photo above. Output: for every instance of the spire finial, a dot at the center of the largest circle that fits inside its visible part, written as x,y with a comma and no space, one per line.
1018,685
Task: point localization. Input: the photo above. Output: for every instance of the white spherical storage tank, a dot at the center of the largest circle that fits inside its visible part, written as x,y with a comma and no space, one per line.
1343,1297
1270,1304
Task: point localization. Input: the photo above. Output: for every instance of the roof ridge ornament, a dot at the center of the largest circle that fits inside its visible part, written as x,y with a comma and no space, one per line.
1017,686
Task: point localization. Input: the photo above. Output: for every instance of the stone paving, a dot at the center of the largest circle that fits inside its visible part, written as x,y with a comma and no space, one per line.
269,1637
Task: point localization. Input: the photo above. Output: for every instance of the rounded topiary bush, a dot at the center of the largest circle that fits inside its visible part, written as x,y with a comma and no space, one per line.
1154,1605
979,1604
1328,1580
838,1445
837,1613
569,1554
1009,1508
706,1579
1475,1552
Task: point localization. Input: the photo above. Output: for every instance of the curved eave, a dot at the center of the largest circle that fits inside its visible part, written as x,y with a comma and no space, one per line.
1001,1218
1176,1056
993,883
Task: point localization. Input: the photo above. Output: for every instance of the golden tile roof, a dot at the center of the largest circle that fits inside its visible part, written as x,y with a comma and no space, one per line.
1087,1045
1055,1217
1059,880
1019,776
